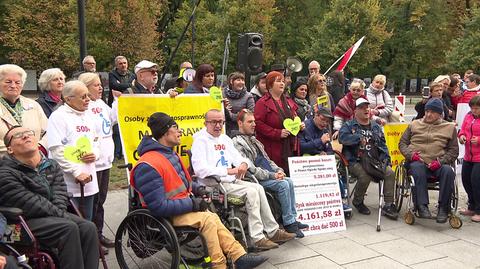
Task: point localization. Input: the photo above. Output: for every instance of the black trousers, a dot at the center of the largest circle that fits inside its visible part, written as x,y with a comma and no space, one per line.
471,183
103,178
421,173
75,238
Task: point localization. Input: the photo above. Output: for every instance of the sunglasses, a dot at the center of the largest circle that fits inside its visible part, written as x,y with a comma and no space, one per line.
153,72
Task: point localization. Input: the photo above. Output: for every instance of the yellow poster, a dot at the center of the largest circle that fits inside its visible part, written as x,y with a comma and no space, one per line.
393,133
188,111
323,101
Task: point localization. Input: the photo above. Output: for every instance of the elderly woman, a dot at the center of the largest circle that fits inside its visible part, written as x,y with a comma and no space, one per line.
72,142
270,112
51,84
381,104
318,94
16,109
238,98
103,118
299,94
345,108
204,79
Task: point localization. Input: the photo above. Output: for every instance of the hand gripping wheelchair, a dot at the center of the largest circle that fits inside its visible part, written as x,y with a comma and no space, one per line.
403,184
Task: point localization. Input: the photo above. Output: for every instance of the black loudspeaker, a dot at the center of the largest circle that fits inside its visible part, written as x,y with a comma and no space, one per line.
249,53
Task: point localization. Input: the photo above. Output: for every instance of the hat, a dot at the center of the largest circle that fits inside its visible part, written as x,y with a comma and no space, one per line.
298,83
271,78
260,76
434,104
277,67
360,101
159,124
144,65
321,110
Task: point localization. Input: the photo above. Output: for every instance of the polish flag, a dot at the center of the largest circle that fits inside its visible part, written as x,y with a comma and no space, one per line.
348,54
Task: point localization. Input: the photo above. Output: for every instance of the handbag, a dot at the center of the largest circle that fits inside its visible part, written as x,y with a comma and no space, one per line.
373,166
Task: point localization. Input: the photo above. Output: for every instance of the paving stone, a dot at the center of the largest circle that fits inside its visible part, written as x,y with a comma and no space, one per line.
290,251
315,262
365,234
445,263
344,251
381,262
318,238
466,232
405,251
461,251
421,235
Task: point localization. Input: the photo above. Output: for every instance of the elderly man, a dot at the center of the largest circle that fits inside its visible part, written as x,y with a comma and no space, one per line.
214,154
361,136
89,65
147,78
160,172
313,68
120,78
430,146
35,184
268,174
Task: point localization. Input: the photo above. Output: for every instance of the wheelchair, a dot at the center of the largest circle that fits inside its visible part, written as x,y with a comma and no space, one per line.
344,179
403,184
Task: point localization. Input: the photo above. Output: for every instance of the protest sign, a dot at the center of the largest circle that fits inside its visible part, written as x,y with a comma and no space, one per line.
188,111
393,133
317,193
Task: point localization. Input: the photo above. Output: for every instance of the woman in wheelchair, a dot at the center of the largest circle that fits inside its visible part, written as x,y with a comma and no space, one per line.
166,188
31,182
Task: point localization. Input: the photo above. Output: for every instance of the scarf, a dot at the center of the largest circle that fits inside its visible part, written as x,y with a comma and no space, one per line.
346,107
233,94
55,98
16,110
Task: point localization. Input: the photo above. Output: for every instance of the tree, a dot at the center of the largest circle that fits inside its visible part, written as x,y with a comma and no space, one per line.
341,26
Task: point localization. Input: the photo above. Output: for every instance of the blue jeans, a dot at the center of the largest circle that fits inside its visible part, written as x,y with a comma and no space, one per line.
87,210
286,196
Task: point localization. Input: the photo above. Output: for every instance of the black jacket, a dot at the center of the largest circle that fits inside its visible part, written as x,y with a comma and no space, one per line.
39,192
119,82
47,103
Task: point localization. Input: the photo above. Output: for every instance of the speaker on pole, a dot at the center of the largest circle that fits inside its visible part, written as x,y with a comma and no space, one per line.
250,54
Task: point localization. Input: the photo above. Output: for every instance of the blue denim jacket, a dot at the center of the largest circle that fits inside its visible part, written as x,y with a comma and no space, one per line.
349,137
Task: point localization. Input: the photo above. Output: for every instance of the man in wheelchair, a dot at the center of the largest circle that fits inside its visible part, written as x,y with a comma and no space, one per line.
430,146
214,154
268,174
35,184
165,186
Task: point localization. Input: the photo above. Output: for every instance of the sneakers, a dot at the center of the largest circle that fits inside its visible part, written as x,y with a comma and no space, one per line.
265,244
390,211
362,208
467,212
281,236
476,218
301,226
423,212
442,215
294,228
248,261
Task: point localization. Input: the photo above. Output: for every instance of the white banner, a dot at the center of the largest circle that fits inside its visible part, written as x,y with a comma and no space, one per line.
317,193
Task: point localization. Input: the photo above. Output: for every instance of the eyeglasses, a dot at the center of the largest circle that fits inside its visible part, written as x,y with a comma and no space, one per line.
215,122
20,135
321,81
91,63
153,72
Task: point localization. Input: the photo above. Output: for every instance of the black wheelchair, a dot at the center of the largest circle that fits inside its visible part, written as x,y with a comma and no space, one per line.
403,185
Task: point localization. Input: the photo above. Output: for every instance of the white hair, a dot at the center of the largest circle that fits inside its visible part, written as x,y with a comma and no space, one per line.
47,76
86,58
120,57
12,68
70,87
381,78
88,78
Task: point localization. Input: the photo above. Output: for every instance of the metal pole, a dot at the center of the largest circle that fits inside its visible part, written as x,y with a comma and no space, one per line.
193,36
82,30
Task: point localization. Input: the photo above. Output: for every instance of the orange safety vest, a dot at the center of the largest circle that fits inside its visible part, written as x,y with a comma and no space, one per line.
173,184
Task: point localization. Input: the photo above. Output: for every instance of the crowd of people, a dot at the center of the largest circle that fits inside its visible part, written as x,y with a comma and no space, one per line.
67,139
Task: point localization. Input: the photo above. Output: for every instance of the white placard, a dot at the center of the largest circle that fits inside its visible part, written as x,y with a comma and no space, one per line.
317,193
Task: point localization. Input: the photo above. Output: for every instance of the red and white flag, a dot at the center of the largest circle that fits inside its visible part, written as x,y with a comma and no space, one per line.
349,53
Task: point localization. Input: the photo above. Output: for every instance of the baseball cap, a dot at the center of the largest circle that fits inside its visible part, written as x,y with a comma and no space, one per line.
321,110
360,101
144,65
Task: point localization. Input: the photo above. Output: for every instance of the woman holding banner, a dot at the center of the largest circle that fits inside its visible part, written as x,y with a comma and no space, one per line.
318,94
203,80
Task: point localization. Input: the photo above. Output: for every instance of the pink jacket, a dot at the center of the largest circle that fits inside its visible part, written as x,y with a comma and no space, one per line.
471,127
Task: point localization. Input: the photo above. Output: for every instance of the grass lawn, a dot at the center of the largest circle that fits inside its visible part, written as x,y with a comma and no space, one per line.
118,177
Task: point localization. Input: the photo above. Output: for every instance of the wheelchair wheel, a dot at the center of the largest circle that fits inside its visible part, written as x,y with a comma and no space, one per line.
402,186
143,241
409,218
455,222
454,199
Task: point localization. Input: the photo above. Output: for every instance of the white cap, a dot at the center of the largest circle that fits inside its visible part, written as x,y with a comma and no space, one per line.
144,65
360,101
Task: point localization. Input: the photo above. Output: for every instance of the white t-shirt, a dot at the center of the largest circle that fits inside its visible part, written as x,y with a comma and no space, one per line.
103,118
65,127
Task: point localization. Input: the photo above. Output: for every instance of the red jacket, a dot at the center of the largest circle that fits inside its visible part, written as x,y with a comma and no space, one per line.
467,95
269,128
471,127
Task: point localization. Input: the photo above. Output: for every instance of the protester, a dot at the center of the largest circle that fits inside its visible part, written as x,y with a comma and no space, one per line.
51,83
238,98
270,113
362,137
454,93
203,81
68,126
260,87
119,79
473,88
465,77
146,79
103,118
430,146
299,94
345,109
445,80
313,68
381,104
268,174
469,136
317,88
160,171
336,85
89,65
35,184
436,91
16,109
214,154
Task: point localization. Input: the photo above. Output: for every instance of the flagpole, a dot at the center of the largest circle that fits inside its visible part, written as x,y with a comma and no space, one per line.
339,58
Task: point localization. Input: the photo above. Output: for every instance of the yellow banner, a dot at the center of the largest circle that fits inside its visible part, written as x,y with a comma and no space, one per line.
393,133
188,110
